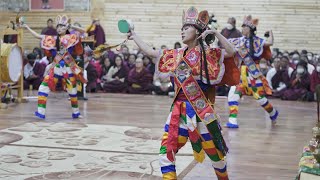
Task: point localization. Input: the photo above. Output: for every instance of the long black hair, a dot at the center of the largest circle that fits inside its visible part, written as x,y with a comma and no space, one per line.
208,40
251,41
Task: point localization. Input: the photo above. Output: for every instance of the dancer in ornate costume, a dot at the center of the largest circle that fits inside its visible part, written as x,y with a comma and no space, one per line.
64,68
250,50
195,71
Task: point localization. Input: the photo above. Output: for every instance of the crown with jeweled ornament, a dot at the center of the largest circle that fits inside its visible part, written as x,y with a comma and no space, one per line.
192,17
63,20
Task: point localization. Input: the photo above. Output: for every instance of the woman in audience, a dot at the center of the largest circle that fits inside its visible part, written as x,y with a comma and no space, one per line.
131,61
116,77
299,84
139,79
147,62
106,64
177,45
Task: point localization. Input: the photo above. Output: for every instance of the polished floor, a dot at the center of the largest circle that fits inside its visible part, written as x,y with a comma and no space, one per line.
119,138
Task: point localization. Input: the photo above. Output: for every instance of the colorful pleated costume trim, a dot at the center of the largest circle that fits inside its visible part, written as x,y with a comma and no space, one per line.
205,139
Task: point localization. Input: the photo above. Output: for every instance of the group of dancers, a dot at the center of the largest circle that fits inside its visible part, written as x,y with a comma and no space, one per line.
195,71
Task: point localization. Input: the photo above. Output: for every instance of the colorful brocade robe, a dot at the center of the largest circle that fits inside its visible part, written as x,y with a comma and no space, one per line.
189,88
248,63
70,44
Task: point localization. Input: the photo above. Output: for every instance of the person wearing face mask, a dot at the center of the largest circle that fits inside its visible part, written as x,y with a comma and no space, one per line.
33,72
299,88
295,60
310,67
63,69
315,78
230,31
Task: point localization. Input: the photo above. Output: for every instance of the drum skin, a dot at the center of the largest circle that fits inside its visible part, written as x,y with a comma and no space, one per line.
11,63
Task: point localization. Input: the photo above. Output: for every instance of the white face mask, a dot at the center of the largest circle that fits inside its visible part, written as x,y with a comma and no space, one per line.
318,68
263,66
229,26
300,70
295,62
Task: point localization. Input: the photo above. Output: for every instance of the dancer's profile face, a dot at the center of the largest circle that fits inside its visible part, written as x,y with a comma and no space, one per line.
188,34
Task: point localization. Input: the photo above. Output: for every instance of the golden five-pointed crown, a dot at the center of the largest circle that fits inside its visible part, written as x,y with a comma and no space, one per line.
192,17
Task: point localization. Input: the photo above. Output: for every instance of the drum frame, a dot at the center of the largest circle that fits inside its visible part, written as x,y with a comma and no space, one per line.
5,86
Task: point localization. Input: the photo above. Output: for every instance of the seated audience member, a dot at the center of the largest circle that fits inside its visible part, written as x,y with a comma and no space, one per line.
131,61
315,78
117,74
92,74
162,84
139,79
299,88
163,47
177,45
280,79
310,66
125,52
148,63
33,72
105,66
264,67
294,60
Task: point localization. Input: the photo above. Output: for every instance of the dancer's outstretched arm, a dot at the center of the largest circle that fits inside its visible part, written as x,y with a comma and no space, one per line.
230,51
77,28
270,39
142,45
35,34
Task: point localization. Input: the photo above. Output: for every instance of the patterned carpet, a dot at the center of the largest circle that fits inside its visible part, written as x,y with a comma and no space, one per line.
73,150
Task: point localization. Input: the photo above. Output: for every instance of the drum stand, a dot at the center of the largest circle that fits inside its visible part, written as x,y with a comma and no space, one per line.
6,87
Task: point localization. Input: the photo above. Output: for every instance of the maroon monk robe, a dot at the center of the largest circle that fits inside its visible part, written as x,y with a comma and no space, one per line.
315,80
49,31
281,76
99,34
38,70
117,86
297,89
139,82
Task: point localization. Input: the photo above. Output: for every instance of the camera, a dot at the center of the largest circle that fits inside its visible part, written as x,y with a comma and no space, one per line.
266,34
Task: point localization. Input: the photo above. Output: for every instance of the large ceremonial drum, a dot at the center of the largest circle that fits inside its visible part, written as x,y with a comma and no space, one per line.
11,63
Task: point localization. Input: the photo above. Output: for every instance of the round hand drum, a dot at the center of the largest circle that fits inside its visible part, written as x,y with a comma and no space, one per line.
10,63
125,26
